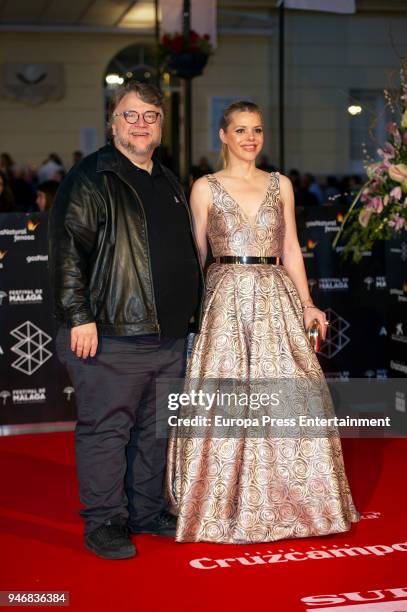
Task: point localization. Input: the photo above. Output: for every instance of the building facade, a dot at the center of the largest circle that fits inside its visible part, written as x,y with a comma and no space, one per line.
331,61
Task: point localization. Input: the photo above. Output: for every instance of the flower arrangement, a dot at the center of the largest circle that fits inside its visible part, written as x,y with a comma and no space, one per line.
382,213
176,43
184,56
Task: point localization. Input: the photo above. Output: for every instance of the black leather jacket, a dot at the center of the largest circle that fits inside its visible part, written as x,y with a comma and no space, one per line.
97,234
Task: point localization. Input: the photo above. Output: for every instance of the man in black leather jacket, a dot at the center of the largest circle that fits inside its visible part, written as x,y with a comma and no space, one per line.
127,283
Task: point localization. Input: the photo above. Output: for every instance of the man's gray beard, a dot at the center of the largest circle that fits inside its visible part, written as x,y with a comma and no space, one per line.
133,149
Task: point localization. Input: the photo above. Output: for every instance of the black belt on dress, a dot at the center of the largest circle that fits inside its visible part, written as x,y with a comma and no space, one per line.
247,259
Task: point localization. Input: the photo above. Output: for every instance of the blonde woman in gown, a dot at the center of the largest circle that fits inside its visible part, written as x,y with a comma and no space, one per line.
250,489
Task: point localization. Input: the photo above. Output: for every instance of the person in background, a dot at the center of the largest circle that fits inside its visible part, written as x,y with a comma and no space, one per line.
303,195
6,165
349,187
264,164
331,190
7,203
315,188
201,169
294,177
355,183
59,176
77,156
46,193
204,166
49,168
55,158
21,186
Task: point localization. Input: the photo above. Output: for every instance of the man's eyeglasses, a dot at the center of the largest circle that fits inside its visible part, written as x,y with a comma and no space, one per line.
132,116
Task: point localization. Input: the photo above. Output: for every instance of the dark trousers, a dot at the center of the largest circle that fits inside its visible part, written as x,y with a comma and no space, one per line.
120,460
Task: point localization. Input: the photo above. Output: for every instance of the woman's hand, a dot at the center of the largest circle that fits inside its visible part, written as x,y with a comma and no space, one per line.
314,313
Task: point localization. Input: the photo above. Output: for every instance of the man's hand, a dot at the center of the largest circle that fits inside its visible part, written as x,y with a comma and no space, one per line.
84,340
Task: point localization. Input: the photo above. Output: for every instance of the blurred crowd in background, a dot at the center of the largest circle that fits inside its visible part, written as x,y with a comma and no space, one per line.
23,189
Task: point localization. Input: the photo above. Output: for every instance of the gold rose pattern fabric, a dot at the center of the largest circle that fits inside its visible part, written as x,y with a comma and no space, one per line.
249,489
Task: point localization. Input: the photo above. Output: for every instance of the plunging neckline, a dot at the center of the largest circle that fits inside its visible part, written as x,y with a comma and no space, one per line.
239,208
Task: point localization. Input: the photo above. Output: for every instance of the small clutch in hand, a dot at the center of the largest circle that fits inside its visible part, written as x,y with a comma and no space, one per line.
314,335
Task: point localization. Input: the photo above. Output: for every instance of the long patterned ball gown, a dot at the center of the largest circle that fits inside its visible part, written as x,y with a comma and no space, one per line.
254,489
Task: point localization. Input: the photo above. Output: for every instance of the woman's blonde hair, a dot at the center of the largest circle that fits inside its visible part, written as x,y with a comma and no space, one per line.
242,106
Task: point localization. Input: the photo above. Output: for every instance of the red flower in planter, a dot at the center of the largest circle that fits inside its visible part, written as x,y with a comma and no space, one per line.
176,44
194,37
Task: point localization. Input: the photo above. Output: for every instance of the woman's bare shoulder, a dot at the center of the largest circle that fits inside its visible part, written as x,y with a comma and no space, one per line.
201,189
202,184
285,182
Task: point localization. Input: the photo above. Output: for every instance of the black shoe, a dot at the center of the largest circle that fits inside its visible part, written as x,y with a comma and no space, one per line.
164,524
111,541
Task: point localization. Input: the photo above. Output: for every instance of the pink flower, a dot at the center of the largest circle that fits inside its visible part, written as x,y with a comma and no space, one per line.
391,127
371,169
394,131
396,193
365,195
387,152
364,216
396,222
375,183
375,204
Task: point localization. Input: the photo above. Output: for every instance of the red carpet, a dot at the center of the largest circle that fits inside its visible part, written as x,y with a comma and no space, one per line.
41,545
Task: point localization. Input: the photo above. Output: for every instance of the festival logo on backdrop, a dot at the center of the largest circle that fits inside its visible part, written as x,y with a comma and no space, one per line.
398,366
21,234
342,375
328,225
401,250
30,348
29,396
308,249
333,284
401,293
25,296
31,226
68,391
378,373
375,282
2,257
36,258
398,335
336,339
4,395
